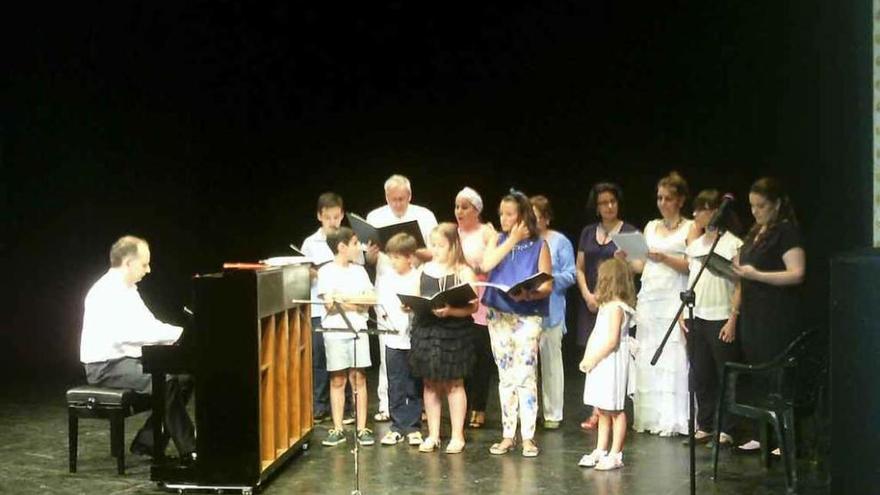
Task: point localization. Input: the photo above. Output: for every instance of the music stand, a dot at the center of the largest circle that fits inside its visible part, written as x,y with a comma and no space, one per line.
688,298
354,389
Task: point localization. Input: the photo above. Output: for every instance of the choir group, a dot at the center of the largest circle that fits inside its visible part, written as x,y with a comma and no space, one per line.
748,314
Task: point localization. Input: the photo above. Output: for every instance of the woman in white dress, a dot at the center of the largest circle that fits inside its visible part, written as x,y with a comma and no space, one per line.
660,402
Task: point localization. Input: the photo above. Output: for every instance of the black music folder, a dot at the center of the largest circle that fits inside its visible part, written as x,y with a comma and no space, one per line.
457,297
719,266
527,284
380,235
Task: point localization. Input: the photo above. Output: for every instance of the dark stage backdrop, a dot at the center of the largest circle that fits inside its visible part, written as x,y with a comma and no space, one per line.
210,128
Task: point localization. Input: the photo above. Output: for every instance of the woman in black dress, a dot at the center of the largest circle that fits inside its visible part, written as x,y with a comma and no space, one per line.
771,269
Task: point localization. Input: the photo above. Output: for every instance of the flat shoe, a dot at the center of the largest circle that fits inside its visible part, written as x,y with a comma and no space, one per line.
699,439
429,445
454,447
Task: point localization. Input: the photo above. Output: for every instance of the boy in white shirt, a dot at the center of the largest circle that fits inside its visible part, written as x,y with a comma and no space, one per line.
330,211
395,275
345,287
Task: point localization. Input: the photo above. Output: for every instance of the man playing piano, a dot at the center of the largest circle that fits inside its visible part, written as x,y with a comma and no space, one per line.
116,323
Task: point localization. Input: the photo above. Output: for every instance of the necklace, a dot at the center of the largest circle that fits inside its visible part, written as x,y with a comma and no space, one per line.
670,226
606,233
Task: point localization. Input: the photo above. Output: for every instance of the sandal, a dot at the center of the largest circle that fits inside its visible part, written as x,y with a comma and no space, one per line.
430,444
381,417
530,449
502,447
478,419
455,447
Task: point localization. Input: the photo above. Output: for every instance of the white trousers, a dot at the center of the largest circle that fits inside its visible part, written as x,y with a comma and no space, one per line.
552,374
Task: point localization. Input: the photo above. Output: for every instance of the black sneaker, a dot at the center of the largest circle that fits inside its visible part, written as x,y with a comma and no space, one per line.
365,437
334,437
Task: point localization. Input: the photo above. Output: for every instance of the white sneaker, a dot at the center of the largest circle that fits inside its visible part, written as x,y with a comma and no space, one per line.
609,462
392,438
414,438
590,460
725,439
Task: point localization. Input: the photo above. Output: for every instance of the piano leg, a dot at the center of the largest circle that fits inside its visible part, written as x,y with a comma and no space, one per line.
159,418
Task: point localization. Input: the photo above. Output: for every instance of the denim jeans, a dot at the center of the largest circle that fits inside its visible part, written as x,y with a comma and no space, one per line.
404,393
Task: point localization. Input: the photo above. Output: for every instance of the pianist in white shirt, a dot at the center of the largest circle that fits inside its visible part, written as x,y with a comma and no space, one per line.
116,323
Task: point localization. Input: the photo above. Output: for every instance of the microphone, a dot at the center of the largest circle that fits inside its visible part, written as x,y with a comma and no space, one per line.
719,214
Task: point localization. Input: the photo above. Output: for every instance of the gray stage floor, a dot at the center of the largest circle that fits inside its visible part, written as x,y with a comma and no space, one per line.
33,459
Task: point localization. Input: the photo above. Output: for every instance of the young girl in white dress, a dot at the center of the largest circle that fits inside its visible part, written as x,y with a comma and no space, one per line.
607,363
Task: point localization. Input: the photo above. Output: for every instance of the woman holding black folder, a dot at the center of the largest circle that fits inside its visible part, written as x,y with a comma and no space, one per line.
515,319
712,332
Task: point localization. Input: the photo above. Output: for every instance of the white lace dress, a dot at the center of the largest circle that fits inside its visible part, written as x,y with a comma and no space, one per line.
660,401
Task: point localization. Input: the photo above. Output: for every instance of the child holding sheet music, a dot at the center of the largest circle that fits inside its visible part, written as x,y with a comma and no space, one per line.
442,351
395,275
607,363
515,319
345,287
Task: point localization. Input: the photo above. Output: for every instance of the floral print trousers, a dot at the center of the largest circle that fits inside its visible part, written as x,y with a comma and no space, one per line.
515,347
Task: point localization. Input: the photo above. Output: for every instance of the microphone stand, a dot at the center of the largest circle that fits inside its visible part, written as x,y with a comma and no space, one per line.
354,389
688,298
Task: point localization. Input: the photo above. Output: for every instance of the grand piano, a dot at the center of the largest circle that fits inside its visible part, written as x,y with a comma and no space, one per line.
249,351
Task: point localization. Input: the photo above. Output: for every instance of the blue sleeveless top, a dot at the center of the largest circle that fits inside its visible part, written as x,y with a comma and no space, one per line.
520,263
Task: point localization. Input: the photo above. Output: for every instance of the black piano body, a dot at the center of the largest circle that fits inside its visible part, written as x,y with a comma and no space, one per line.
249,352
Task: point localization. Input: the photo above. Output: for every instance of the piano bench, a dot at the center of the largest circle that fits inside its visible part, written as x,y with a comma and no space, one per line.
113,404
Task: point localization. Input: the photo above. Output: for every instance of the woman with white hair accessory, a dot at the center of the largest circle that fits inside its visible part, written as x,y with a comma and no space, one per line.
474,235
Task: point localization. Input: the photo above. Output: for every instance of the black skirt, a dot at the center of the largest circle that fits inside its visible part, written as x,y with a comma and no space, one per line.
442,349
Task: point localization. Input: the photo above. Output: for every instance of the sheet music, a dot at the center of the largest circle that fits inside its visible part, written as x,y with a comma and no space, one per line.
633,244
286,260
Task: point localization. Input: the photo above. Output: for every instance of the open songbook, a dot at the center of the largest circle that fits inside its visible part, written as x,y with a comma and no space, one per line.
527,284
380,235
457,297
719,266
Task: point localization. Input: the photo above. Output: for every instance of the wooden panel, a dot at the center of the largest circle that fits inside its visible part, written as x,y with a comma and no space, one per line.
307,399
267,390
282,403
296,372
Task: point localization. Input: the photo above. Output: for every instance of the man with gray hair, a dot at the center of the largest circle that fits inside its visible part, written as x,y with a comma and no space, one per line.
116,323
398,193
